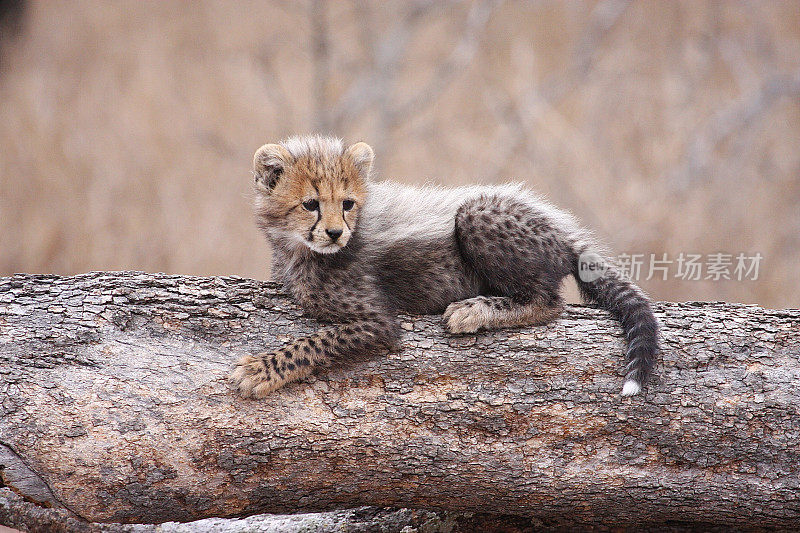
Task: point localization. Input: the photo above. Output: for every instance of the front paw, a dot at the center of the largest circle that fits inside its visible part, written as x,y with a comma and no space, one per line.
466,316
252,378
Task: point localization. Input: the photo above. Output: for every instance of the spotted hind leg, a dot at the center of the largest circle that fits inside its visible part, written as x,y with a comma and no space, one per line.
519,256
492,312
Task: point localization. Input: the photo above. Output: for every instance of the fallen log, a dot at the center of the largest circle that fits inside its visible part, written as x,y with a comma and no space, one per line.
114,407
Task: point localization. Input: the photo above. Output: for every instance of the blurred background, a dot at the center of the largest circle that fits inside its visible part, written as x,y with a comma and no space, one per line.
127,128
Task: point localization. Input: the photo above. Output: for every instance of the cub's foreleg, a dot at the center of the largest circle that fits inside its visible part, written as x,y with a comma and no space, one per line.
258,375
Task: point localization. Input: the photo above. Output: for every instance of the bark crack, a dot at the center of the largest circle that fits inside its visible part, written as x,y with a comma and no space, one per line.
17,475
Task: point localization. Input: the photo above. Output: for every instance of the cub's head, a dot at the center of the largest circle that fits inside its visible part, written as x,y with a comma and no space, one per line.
310,190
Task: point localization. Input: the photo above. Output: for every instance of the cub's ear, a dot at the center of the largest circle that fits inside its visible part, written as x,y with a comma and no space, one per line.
269,164
362,156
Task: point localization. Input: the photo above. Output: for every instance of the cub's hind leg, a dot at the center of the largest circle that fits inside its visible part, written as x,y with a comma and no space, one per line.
490,312
520,258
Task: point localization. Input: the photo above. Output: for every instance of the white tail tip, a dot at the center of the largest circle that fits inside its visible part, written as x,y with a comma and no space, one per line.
631,388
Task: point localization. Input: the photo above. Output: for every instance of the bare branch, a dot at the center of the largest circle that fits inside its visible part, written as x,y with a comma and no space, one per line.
697,166
321,63
550,92
525,113
460,57
603,17
373,85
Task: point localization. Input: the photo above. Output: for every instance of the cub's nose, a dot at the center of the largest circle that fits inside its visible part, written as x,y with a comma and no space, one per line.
334,234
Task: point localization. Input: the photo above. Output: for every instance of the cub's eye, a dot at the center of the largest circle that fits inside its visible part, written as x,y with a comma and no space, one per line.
347,205
311,205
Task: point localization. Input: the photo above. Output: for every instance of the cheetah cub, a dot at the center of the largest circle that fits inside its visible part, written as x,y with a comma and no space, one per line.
355,253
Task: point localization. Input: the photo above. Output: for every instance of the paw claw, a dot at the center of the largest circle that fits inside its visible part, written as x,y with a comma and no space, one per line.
251,378
463,317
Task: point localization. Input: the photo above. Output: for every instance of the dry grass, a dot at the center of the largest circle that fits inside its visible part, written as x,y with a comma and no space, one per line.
127,128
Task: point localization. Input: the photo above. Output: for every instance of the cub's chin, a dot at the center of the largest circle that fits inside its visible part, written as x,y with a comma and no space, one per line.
330,248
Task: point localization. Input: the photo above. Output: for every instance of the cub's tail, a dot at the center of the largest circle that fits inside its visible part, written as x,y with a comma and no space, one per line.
601,283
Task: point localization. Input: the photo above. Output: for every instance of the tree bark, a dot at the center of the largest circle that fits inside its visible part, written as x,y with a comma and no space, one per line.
114,407
15,511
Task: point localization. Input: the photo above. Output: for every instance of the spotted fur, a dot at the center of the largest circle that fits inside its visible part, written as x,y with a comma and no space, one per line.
354,253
